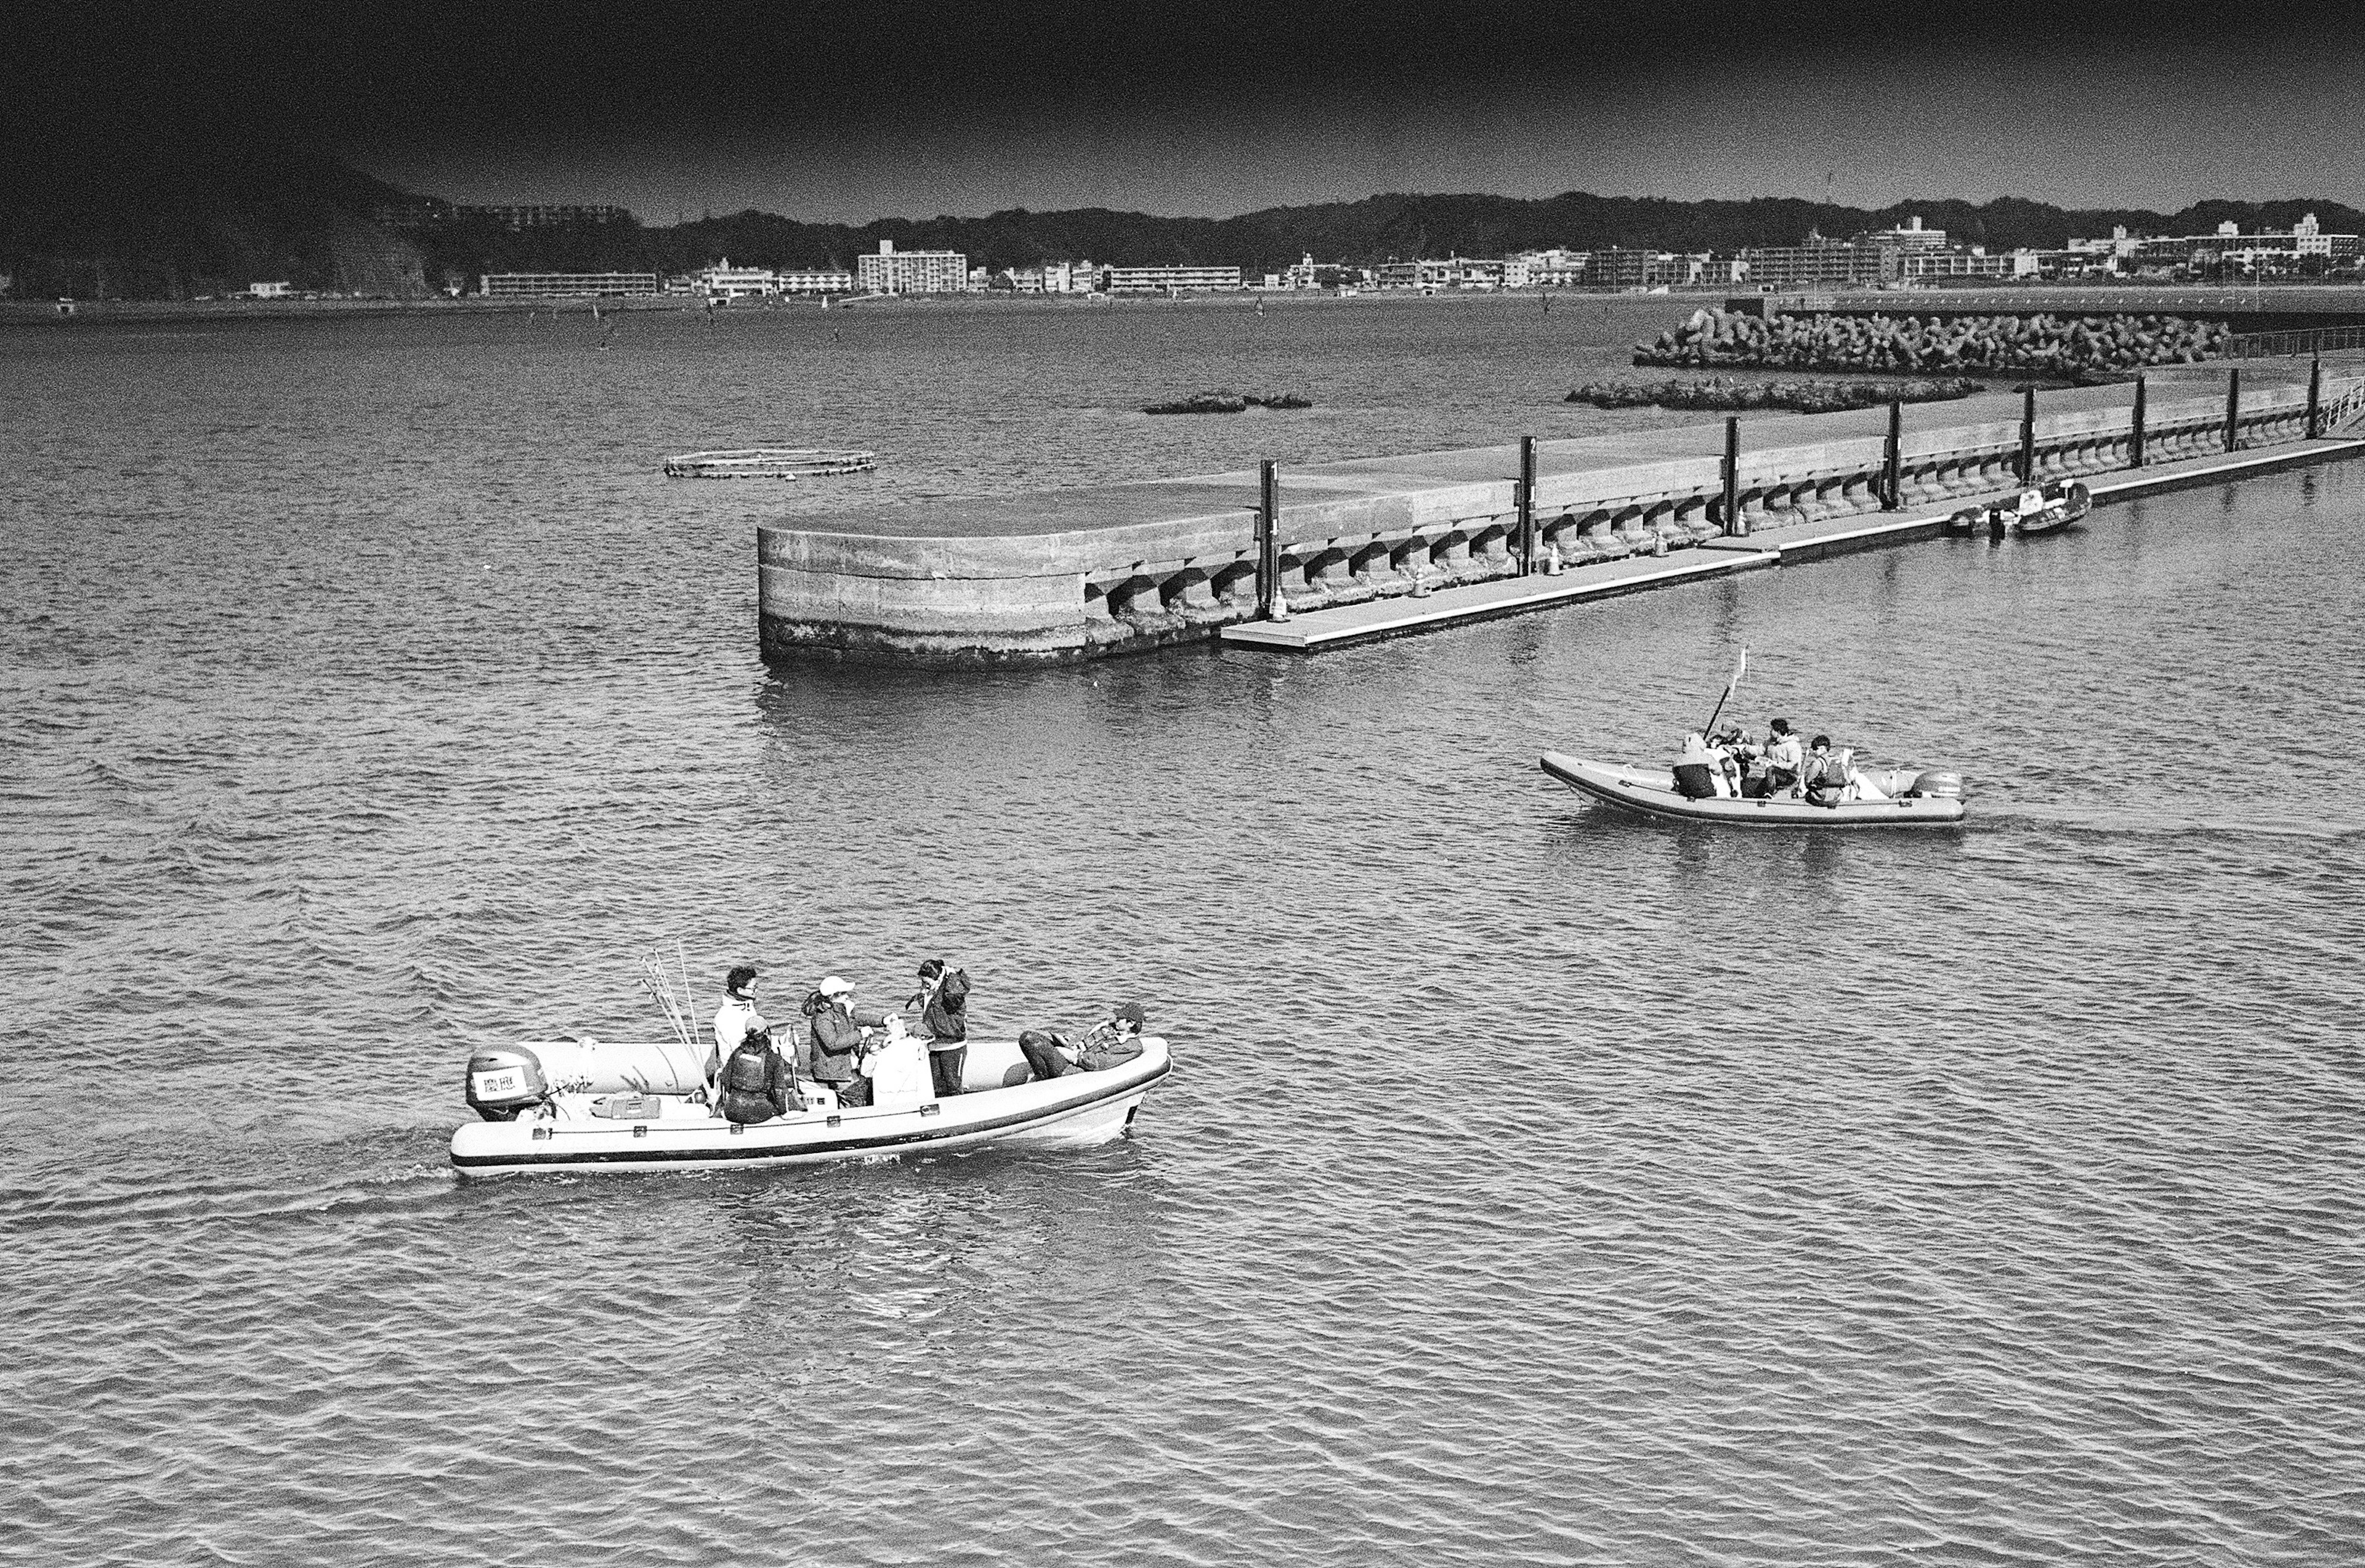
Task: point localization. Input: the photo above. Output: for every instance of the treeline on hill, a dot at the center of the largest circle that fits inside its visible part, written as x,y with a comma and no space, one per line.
171,233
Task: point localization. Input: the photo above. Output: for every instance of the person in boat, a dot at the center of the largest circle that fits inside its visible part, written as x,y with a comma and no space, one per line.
1782,757
733,1020
1111,1043
839,1031
943,1006
756,1082
1696,769
1730,748
1825,776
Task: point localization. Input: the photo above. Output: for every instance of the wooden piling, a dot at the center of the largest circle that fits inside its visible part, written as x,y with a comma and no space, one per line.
1268,537
1892,460
1734,526
2028,435
2316,398
2135,445
1527,505
2234,408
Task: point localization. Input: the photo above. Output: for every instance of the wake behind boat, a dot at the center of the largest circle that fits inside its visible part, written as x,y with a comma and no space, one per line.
1652,791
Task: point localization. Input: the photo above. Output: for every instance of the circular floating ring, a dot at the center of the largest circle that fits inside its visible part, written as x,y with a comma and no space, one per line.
768,462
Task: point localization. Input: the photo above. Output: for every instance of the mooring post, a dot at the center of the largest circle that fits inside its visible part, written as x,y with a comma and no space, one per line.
1527,505
2316,398
2233,408
2028,435
2135,445
1268,538
1734,526
1892,460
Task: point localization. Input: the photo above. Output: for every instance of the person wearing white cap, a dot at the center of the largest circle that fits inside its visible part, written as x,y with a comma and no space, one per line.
837,1035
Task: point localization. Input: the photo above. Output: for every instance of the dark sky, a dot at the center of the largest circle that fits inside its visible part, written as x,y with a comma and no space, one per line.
852,112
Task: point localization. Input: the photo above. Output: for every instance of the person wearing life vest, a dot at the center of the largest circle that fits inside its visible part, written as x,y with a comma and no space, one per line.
756,1080
1825,775
1111,1043
733,1021
942,1002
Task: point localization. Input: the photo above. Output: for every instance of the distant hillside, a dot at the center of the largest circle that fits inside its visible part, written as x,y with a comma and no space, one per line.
198,220
213,224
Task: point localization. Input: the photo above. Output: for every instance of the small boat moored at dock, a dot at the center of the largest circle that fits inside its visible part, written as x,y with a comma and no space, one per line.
2032,511
1909,798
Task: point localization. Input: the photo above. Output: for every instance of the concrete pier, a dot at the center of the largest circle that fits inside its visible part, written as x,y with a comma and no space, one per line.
1076,574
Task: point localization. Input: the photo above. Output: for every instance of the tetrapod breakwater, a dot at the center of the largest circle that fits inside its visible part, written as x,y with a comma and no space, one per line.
1082,573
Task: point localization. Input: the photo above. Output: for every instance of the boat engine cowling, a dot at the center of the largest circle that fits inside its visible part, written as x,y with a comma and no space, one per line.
1938,784
505,1080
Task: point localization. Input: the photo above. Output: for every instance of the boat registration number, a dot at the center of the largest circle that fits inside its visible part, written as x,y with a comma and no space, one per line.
491,1083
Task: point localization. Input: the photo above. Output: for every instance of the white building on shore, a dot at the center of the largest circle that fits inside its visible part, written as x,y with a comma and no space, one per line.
726,283
912,272
1159,280
564,286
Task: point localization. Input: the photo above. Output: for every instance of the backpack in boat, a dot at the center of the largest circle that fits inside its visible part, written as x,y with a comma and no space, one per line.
747,1071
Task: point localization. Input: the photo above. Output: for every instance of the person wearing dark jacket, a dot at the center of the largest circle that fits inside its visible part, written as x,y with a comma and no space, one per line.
837,1035
1112,1043
756,1080
942,1002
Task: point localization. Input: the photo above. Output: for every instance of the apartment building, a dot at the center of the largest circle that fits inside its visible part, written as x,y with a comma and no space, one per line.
564,286
1161,280
912,272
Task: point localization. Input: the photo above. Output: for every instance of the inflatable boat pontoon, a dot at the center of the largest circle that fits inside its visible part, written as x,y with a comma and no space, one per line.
578,1106
1652,793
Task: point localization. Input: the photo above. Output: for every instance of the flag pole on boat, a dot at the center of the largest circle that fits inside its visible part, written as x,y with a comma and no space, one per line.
1740,667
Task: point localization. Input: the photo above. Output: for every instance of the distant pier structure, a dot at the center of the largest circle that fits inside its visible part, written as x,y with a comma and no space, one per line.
1078,573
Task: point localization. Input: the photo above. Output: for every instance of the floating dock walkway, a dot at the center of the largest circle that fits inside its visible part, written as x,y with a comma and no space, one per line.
1378,620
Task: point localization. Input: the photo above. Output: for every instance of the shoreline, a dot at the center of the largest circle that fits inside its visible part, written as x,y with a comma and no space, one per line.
2173,299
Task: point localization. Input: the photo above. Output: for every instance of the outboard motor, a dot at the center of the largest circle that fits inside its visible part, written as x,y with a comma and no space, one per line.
1938,784
505,1080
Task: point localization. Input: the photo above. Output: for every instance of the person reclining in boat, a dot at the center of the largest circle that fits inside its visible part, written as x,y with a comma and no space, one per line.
1783,757
1826,775
733,1022
1112,1043
756,1082
1696,770
943,1005
838,1030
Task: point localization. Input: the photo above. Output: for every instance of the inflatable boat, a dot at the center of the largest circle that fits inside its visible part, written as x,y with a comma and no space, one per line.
2047,510
1908,798
587,1105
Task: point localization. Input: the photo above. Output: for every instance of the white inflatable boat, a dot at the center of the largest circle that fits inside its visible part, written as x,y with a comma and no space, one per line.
1904,797
583,1105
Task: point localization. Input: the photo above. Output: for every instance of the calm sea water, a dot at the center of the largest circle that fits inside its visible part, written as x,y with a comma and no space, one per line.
1537,1187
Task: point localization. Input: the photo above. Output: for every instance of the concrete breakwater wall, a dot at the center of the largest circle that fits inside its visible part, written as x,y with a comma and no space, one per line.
1074,574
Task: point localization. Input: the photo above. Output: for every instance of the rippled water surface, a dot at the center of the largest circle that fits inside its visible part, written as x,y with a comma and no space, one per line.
1537,1187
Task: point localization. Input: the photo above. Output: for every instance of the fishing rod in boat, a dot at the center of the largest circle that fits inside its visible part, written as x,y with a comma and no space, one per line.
1740,667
